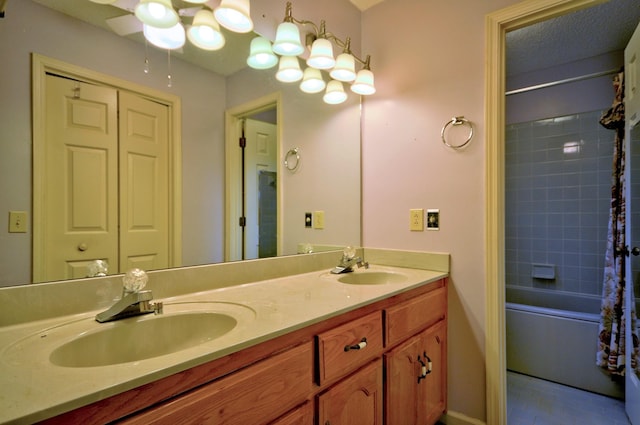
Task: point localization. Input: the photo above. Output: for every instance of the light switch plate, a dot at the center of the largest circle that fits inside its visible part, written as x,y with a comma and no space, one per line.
318,220
17,222
416,220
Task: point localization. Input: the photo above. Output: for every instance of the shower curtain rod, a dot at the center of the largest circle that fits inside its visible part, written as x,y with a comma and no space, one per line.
565,81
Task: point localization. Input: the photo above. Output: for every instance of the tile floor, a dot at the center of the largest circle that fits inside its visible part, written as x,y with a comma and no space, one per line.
532,401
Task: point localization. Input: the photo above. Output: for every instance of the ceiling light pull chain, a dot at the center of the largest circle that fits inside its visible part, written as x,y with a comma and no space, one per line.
146,56
169,81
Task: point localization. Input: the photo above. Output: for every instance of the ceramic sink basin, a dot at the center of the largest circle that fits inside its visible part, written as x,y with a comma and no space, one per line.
372,277
87,343
129,341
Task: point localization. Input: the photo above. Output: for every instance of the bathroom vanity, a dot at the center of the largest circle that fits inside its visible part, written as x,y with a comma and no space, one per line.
366,347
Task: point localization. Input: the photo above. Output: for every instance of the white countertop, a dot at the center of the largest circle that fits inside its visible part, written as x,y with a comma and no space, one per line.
32,388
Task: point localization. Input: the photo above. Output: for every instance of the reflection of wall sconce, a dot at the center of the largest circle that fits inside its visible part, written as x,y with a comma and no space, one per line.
164,28
287,45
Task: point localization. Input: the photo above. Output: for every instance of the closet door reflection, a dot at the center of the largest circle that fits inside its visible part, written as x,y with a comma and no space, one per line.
105,191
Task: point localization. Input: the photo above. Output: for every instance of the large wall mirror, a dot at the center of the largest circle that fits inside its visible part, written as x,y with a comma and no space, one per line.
327,137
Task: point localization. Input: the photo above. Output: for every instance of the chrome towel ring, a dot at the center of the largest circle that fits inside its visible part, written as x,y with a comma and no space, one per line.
456,121
287,164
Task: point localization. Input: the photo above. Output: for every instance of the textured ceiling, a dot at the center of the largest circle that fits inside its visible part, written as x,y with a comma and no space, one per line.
579,35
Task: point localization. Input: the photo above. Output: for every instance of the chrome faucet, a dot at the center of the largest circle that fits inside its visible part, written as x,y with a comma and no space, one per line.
349,260
134,301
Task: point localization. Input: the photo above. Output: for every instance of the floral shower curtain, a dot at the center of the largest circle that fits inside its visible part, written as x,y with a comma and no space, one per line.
611,340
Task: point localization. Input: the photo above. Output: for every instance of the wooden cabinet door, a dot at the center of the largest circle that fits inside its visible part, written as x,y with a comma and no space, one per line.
433,388
401,385
356,400
410,398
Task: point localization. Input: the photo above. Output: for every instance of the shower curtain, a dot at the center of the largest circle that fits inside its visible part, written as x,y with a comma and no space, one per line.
611,339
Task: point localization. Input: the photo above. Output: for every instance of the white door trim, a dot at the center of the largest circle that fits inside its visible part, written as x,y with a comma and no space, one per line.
497,25
233,195
41,65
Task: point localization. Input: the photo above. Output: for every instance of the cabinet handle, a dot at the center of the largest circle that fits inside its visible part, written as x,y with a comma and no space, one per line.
426,367
358,346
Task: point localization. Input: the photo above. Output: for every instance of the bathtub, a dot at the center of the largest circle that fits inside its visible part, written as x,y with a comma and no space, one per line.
553,335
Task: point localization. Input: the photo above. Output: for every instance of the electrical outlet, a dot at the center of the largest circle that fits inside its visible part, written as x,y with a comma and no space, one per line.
433,219
308,221
17,222
416,220
318,220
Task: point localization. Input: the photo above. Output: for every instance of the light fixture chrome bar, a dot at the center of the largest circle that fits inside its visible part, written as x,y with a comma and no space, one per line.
320,32
559,82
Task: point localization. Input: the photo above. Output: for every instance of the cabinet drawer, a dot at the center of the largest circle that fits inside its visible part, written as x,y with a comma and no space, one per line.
257,394
409,317
335,358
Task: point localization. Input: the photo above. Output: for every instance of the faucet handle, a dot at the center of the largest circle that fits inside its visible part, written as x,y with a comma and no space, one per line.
348,252
134,280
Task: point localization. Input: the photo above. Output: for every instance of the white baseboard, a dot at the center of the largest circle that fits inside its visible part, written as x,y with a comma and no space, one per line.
456,418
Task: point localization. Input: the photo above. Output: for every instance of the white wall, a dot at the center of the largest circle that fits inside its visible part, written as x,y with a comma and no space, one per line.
428,57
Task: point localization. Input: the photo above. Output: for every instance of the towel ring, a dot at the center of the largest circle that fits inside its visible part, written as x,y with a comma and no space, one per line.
457,121
292,152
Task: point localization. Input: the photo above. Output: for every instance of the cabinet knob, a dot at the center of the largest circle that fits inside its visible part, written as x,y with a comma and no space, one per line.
82,247
359,346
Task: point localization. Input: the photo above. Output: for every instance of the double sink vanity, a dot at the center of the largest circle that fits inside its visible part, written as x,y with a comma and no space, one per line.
279,341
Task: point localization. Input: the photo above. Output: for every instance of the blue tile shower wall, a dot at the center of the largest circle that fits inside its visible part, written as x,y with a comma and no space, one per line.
558,183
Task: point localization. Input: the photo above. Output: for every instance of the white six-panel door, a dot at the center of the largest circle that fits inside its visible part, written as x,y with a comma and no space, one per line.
106,180
81,175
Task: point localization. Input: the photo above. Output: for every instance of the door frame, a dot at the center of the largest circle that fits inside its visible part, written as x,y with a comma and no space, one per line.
40,66
233,192
497,24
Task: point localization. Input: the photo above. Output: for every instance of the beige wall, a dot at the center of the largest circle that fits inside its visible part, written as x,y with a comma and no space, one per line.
428,57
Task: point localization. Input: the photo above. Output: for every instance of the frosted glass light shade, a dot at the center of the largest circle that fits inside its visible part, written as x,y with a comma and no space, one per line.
335,93
234,15
157,13
205,31
287,41
364,83
196,1
345,68
261,55
165,38
321,56
312,81
289,70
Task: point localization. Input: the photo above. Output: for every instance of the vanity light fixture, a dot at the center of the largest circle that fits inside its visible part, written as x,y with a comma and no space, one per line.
335,93
165,38
289,70
312,81
234,15
205,31
287,44
261,55
157,13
